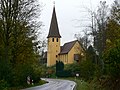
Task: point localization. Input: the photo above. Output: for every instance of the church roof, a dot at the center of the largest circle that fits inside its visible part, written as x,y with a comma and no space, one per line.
67,47
54,30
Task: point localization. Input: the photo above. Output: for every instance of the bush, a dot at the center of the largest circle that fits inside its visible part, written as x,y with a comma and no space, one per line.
112,61
87,70
21,72
73,68
112,67
3,85
64,73
59,66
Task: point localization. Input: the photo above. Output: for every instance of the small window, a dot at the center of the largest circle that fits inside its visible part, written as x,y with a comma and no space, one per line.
57,39
52,39
77,57
56,56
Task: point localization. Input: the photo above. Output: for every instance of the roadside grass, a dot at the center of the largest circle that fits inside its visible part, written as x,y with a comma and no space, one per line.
83,85
41,82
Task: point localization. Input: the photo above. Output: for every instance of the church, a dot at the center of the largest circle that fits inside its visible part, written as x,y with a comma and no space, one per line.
68,53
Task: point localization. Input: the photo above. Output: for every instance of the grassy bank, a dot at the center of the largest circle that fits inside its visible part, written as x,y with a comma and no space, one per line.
41,82
82,85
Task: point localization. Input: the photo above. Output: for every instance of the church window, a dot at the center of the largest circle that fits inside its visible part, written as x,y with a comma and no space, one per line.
57,39
52,39
77,57
56,56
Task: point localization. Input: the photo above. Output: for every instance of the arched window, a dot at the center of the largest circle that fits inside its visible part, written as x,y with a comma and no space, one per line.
57,39
52,39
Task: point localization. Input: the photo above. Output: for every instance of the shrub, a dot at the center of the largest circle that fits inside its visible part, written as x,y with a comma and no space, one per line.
63,73
3,85
87,70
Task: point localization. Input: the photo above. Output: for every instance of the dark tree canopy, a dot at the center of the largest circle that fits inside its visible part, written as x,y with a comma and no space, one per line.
18,36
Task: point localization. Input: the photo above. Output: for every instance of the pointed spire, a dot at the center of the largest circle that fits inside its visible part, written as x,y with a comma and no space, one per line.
54,30
54,3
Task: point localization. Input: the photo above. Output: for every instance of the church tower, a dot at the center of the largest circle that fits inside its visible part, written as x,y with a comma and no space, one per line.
53,41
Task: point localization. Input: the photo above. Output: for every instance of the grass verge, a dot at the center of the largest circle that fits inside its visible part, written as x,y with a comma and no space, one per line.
82,85
41,82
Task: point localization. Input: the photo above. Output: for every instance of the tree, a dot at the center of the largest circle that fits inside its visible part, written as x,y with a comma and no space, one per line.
84,40
91,55
59,66
18,34
101,21
113,26
112,60
112,66
97,28
87,69
112,54
60,72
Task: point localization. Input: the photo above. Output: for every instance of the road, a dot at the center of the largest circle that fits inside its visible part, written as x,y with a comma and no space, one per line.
55,84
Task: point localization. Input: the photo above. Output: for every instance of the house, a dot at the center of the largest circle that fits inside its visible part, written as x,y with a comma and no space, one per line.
68,53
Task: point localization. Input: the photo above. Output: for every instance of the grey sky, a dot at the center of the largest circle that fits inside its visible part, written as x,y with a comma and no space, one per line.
68,12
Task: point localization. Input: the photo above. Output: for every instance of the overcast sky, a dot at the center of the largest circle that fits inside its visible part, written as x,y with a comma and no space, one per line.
72,16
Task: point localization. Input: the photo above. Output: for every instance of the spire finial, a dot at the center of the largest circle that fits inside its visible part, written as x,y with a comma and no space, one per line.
54,3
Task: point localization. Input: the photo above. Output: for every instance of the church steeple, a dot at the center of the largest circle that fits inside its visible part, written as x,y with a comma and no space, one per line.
54,30
53,41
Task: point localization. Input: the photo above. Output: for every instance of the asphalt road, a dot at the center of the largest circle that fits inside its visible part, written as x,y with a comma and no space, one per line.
55,84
